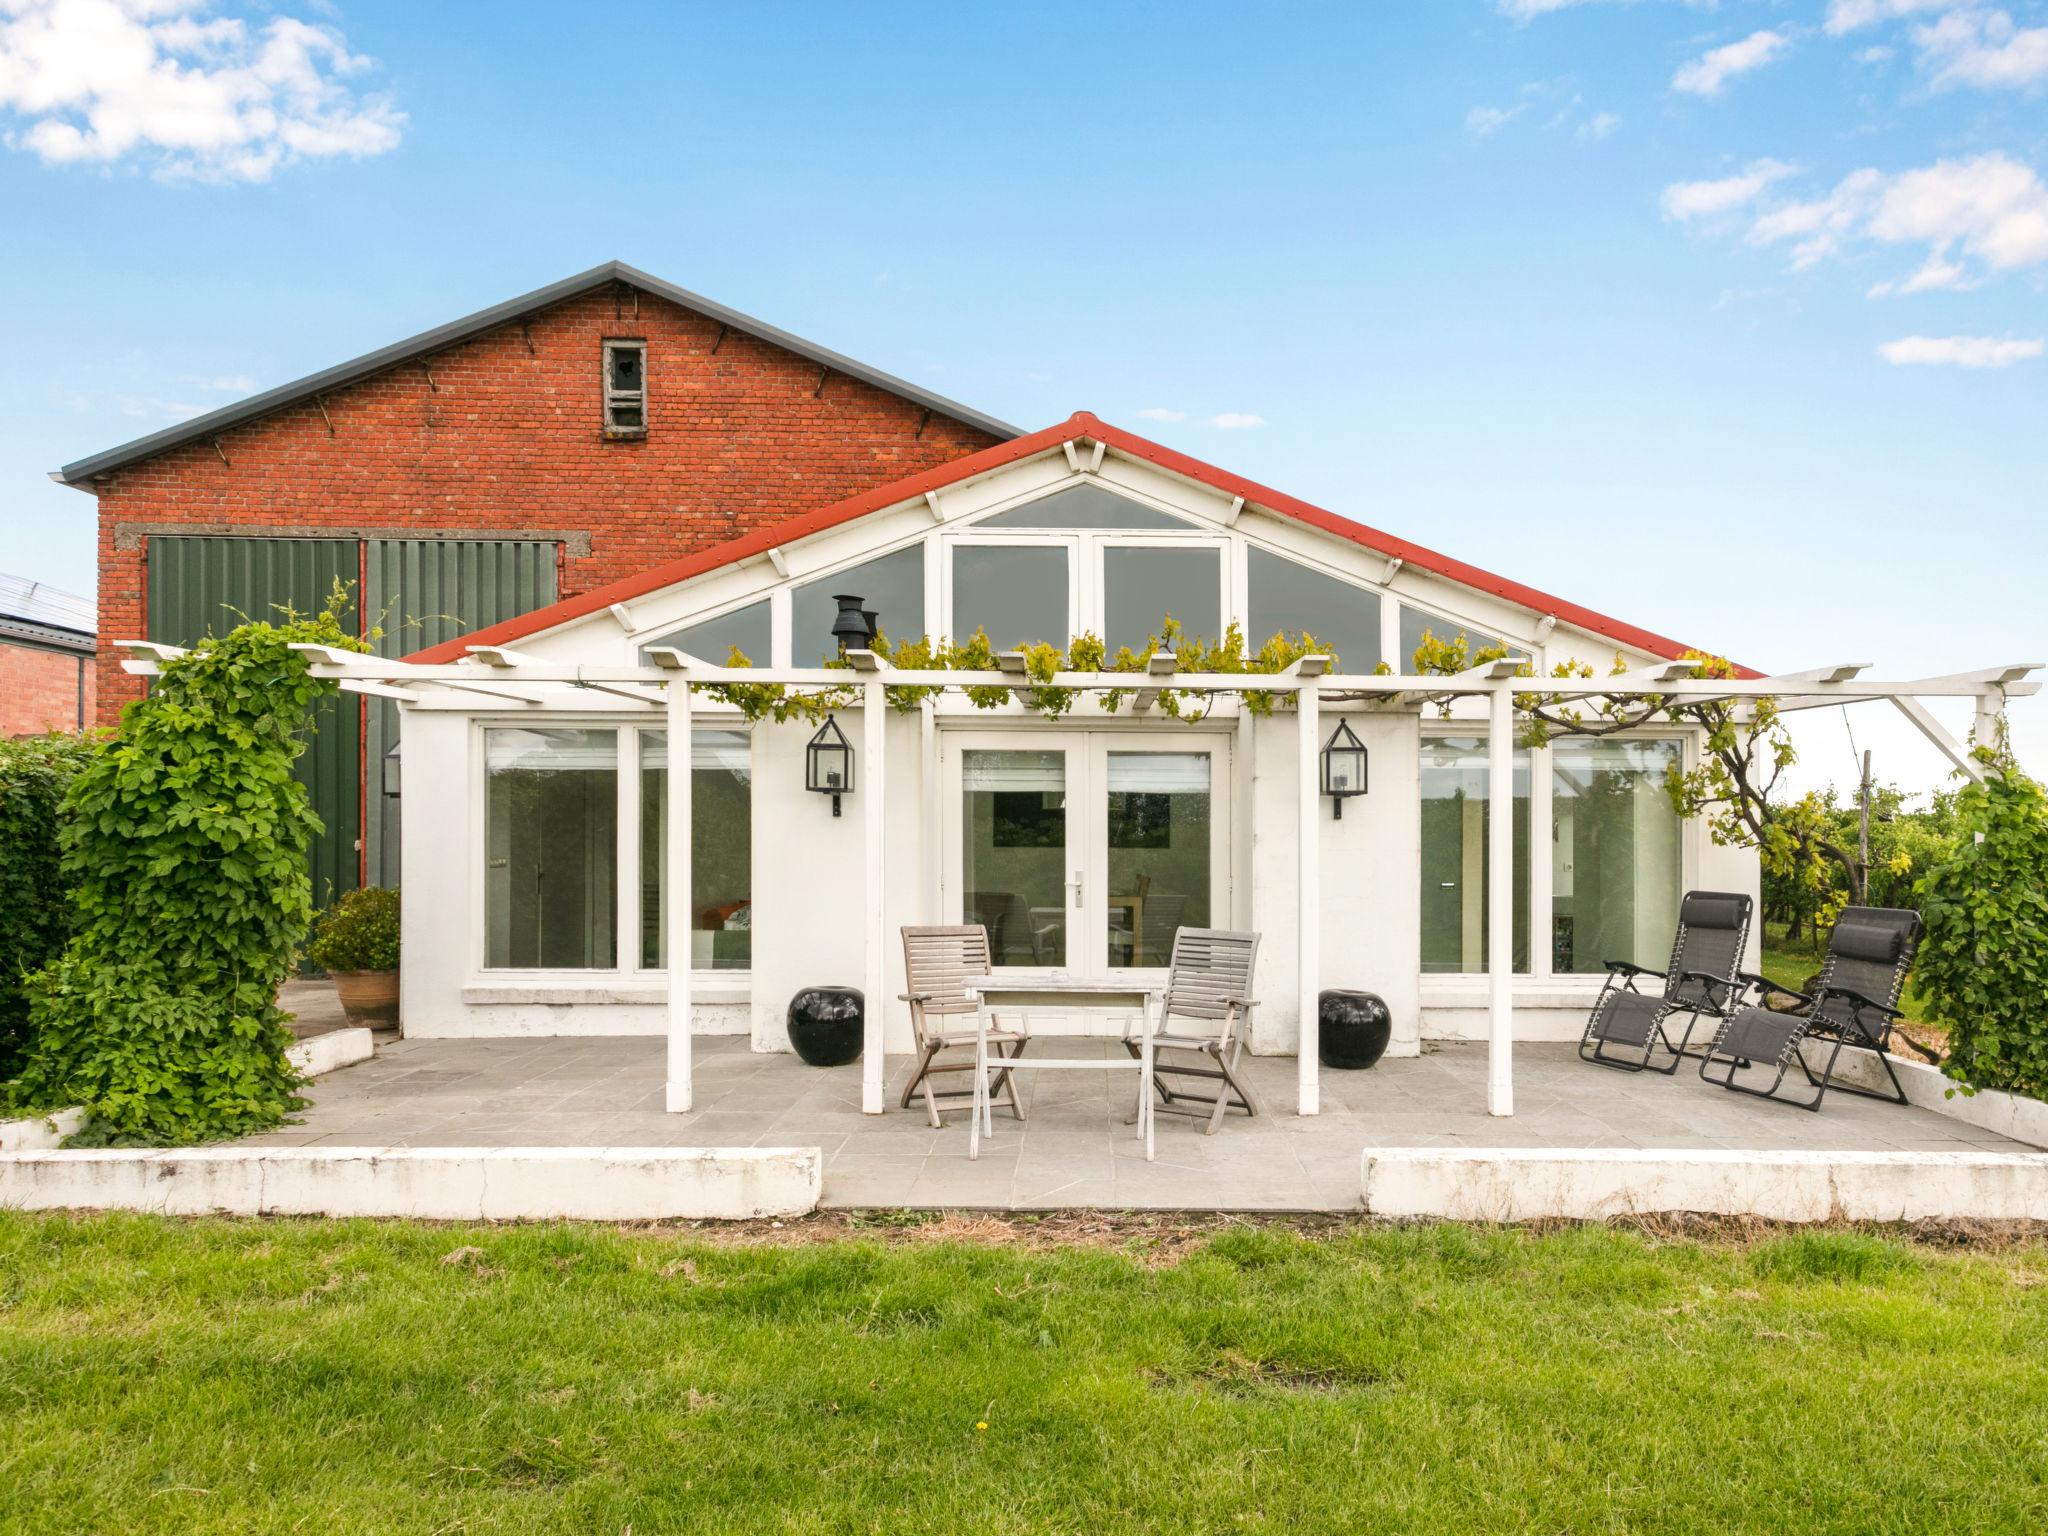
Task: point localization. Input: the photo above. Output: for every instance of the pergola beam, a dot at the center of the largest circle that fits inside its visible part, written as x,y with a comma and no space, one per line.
1159,664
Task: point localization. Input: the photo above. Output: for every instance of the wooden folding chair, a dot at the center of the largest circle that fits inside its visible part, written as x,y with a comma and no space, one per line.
936,963
1210,980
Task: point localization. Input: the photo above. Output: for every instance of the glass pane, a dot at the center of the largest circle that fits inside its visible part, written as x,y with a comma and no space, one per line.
1414,622
893,587
721,850
714,639
1614,871
1014,882
1286,595
1456,825
628,416
1141,586
627,370
1084,506
1158,852
1017,594
551,811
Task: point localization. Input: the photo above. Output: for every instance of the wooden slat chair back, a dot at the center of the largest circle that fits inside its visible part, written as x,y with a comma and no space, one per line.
1209,981
937,961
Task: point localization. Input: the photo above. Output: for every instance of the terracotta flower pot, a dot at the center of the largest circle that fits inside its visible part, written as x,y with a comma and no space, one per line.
369,998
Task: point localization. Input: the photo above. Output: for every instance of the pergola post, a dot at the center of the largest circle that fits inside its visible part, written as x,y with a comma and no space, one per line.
873,1065
1984,727
1308,1057
1500,901
675,906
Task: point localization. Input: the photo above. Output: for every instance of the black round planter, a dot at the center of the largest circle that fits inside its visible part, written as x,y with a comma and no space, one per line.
1355,1028
825,1025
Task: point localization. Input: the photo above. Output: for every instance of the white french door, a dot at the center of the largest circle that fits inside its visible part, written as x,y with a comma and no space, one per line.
1083,851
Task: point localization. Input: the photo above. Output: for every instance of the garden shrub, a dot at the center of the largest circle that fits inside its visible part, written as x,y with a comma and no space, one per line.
358,933
35,904
1983,966
185,846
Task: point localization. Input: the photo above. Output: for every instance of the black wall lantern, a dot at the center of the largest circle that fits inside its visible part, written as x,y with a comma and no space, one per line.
1343,766
391,771
828,762
853,628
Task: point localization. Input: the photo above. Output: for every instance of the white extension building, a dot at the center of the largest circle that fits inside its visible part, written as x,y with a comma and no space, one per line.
1476,886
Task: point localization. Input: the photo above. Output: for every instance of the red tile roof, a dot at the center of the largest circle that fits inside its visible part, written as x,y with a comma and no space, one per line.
1080,425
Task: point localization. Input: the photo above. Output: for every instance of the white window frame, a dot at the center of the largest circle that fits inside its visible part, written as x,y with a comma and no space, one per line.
615,399
1160,539
1542,786
1080,584
625,966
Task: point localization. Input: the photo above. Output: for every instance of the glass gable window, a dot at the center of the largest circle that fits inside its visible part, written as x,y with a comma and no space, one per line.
551,806
1615,853
748,628
1456,826
1084,506
1016,593
1414,622
721,850
1143,584
1286,595
893,586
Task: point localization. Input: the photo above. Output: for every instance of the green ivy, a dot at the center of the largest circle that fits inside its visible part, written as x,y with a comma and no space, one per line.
35,898
185,847
1983,966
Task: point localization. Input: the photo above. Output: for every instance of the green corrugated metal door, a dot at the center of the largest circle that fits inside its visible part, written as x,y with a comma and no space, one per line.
421,592
203,586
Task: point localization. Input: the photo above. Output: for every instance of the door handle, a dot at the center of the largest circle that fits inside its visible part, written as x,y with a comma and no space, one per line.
1074,885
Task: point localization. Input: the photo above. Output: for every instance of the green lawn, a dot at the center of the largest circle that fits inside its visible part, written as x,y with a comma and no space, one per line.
336,1377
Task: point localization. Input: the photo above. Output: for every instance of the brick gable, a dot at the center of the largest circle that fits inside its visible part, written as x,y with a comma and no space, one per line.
501,435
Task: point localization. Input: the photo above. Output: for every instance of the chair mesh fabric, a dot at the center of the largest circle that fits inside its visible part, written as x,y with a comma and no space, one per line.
1625,1018
1713,931
1758,1034
1869,952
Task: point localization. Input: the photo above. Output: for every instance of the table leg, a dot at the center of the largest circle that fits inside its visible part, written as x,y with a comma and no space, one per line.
1146,1112
974,1118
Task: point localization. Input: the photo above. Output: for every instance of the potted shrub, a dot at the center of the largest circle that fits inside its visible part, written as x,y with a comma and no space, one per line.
356,943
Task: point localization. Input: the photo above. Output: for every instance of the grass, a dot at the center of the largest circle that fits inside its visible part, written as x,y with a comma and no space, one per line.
226,1376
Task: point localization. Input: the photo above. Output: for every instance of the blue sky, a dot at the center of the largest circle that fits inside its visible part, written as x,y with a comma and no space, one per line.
1595,294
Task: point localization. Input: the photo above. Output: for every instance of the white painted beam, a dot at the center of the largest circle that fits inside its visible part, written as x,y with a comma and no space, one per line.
1500,904
873,797
1309,902
675,905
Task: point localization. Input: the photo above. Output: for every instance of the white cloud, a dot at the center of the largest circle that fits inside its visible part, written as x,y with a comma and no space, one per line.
1599,126
1992,209
1236,420
1959,351
1161,413
1704,199
1982,48
1876,54
1484,122
1935,273
1848,15
190,95
1707,74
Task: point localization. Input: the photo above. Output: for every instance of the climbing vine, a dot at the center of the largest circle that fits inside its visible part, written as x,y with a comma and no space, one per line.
185,848
1042,663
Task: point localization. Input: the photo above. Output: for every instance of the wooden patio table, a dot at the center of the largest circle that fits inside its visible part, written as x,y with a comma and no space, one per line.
1066,994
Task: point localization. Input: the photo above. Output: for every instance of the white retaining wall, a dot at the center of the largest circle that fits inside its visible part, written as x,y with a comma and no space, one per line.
1593,1184
452,1184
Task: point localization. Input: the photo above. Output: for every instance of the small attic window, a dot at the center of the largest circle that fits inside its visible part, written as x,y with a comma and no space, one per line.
625,389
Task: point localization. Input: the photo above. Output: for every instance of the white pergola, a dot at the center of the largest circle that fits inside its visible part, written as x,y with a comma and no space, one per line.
509,679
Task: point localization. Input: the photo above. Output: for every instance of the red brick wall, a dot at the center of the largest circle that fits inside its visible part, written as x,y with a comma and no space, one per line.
39,691
507,438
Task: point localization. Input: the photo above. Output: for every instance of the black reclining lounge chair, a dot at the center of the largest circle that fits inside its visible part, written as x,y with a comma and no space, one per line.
1704,978
1853,1005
